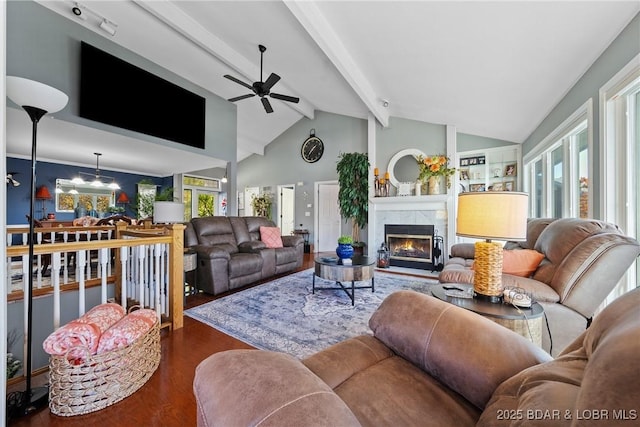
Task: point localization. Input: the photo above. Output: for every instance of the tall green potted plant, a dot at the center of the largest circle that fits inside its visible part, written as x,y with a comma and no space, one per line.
353,196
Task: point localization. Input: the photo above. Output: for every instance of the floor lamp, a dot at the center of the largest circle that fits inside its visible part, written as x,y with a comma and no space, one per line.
37,99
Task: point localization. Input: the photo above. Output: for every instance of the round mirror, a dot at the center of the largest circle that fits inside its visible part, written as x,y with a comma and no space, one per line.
403,166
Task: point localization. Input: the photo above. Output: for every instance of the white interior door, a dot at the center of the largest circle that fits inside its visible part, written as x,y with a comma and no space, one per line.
286,209
328,217
249,194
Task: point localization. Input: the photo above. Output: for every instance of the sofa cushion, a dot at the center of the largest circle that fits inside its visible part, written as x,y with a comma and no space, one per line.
215,231
521,262
243,264
270,236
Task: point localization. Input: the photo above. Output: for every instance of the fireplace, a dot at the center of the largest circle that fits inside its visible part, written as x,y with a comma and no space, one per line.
410,245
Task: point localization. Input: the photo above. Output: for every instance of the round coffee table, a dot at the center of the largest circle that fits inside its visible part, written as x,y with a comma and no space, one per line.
522,320
360,269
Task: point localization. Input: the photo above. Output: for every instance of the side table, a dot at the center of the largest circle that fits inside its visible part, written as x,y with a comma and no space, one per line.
190,263
523,321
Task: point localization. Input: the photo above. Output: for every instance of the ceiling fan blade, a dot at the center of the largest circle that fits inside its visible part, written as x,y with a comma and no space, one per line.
273,79
285,97
238,98
267,105
240,82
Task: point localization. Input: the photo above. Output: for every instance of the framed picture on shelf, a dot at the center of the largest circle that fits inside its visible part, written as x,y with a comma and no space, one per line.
477,187
508,186
496,187
510,170
464,174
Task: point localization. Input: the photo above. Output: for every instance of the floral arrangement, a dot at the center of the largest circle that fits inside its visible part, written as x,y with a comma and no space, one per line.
434,166
262,205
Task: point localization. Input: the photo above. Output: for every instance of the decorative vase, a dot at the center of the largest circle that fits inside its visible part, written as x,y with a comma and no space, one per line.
80,212
418,187
344,250
434,185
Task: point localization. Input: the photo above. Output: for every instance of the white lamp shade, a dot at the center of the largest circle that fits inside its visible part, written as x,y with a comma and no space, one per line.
500,215
168,212
29,93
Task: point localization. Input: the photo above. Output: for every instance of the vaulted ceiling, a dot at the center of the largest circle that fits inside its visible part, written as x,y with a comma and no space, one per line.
493,69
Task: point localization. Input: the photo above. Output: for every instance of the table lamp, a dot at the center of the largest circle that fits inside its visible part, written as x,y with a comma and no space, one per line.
42,194
490,215
168,212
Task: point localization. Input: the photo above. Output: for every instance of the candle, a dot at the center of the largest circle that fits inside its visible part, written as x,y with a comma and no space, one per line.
381,180
386,175
375,171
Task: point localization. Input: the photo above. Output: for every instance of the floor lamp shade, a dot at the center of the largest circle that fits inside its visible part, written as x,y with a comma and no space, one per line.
500,215
37,99
25,92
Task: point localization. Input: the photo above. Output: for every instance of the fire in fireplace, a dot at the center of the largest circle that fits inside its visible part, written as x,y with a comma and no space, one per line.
410,245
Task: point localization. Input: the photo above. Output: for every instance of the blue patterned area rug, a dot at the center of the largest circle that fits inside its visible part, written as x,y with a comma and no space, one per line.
283,315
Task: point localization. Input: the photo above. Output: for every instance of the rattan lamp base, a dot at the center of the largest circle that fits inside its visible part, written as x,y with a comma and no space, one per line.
487,281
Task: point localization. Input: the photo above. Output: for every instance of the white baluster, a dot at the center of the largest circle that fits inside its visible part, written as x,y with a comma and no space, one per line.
81,260
142,254
103,254
55,278
124,258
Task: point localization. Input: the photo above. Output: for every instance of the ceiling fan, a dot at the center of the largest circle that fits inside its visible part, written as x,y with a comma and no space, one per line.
261,88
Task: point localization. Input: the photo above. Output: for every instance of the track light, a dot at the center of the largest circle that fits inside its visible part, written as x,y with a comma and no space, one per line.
108,26
81,11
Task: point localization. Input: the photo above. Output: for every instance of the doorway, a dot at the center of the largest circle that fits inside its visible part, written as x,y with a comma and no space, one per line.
286,208
327,223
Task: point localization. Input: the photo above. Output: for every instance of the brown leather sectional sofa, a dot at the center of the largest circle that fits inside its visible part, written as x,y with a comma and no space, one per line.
430,363
583,261
231,254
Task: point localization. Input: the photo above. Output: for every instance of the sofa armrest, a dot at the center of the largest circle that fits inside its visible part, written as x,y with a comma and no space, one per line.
292,240
463,250
253,246
467,352
211,252
255,387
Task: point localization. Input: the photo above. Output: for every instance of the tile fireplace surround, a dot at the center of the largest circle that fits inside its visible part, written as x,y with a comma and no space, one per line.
434,210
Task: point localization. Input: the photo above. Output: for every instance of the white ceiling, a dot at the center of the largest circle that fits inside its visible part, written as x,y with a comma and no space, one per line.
493,69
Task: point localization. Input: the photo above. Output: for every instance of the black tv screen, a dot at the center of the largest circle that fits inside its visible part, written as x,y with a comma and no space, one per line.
117,93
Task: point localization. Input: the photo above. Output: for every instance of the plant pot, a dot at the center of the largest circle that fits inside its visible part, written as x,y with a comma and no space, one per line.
344,250
358,249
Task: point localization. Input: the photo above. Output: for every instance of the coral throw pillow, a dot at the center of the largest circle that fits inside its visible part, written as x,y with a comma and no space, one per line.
270,236
521,262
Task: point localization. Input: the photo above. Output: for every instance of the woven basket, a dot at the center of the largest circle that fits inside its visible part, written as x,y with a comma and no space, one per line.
103,379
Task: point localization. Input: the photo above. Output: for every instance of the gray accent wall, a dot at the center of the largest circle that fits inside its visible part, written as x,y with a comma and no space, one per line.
619,53
44,46
282,163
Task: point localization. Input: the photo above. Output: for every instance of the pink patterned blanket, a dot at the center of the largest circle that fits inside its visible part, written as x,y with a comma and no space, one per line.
103,328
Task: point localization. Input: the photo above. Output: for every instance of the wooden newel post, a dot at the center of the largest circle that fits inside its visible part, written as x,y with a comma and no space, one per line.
176,274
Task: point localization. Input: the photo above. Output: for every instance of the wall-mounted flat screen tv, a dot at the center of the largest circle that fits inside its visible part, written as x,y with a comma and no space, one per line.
117,93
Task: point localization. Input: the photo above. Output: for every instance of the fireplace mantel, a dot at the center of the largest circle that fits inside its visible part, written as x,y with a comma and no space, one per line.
410,203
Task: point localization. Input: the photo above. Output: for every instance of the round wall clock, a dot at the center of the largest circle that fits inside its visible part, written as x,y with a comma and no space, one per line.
312,148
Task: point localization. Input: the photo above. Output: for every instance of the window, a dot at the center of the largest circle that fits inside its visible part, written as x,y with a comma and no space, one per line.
620,136
200,196
558,171
69,196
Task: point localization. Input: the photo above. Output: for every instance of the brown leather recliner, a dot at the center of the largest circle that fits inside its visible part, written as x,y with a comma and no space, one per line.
231,254
430,363
584,260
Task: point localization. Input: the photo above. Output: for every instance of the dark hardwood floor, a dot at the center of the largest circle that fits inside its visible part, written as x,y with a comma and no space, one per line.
167,398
